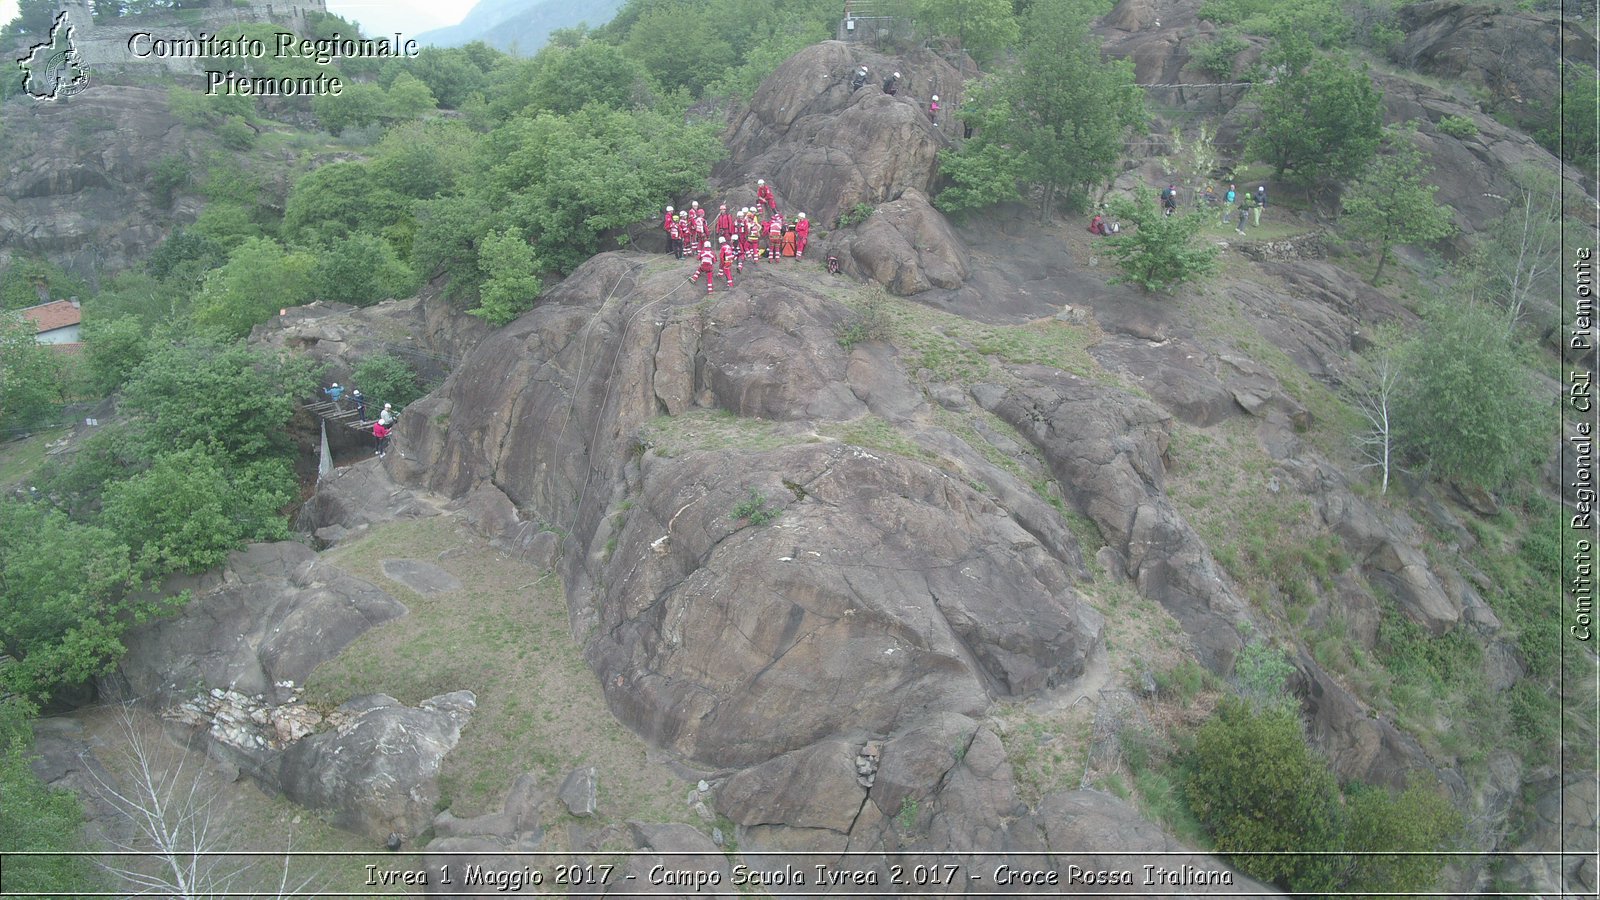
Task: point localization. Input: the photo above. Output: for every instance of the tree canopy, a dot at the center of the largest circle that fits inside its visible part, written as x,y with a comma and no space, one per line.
1059,116
1390,204
1321,117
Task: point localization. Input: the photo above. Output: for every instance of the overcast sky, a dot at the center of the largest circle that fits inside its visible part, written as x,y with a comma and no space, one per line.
409,17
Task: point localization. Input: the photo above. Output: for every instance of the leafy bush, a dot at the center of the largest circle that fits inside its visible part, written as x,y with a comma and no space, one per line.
167,177
1462,408
1215,57
64,604
754,509
190,508
386,378
361,270
1155,251
31,376
510,284
1458,127
1255,785
855,215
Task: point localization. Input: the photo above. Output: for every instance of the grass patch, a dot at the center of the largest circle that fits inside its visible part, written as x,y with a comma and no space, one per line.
702,429
876,433
540,707
20,458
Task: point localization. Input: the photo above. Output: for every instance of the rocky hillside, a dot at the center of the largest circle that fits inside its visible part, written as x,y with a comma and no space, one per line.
903,562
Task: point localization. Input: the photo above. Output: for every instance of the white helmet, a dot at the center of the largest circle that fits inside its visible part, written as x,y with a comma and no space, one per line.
388,406
694,204
720,240
935,96
897,74
669,209
761,181
706,244
336,384
802,215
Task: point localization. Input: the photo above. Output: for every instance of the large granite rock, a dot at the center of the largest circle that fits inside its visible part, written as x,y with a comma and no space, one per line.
377,772
258,625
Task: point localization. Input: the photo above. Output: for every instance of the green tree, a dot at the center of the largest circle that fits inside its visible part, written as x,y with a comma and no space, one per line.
361,270
190,508
340,199
25,278
1255,785
987,175
1158,252
1321,118
37,817
216,396
259,278
450,74
386,378
31,376
449,232
1062,112
115,348
591,72
424,160
1391,205
409,98
981,27
1462,409
1420,820
360,104
1517,259
662,37
183,258
564,181
64,591
511,285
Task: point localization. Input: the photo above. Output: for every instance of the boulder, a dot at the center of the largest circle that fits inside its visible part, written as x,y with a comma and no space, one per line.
259,625
377,773
814,787
825,148
905,245
580,791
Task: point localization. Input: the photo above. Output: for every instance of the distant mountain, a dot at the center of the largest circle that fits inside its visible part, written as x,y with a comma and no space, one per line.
520,26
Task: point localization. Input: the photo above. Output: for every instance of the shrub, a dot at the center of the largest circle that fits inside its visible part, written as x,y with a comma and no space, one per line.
1216,57
1255,785
855,215
386,378
1155,251
754,509
1457,126
1463,407
869,323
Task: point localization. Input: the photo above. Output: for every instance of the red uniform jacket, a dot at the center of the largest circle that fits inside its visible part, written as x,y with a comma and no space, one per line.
707,259
764,194
724,225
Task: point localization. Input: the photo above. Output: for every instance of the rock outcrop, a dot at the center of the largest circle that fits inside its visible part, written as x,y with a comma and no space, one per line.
75,185
267,618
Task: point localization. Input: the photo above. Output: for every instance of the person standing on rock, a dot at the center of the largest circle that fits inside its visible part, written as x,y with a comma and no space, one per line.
752,227
708,261
1246,204
380,437
666,220
1169,200
774,238
933,110
764,196
387,416
1228,200
859,80
802,231
891,84
727,256
675,237
1261,202
360,402
724,224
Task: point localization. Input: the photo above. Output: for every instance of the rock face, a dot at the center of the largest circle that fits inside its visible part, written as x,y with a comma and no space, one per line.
825,148
76,176
1514,54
